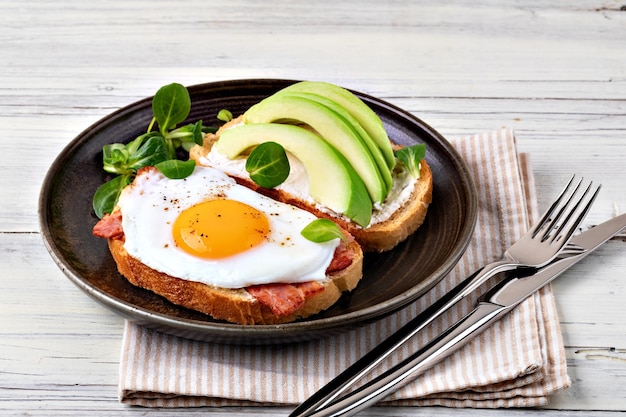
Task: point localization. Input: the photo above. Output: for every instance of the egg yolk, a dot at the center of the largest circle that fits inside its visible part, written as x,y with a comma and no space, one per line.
220,228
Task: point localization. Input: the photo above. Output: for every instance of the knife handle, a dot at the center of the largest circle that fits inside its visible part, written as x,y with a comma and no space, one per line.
404,372
369,361
345,380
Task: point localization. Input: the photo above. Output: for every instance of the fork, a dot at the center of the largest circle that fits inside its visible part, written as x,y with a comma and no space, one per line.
541,244
543,241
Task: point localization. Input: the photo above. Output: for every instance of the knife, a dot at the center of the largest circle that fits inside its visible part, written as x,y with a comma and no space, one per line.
491,306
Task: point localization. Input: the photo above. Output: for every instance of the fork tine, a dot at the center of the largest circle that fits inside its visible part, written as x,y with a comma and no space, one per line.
571,249
562,211
546,217
566,210
566,233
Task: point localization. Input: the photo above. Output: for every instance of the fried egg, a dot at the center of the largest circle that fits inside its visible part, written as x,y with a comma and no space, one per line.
209,229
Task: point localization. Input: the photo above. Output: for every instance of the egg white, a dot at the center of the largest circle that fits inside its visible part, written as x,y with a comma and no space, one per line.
151,204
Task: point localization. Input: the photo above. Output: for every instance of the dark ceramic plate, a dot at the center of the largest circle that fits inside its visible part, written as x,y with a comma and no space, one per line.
391,280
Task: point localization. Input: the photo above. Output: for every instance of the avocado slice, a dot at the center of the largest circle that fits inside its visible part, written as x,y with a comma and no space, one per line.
359,110
377,154
282,108
332,180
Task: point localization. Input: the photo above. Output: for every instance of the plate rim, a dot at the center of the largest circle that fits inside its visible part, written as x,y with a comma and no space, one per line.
235,333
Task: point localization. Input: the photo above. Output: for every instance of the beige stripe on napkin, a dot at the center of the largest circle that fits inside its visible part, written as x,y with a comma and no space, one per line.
518,362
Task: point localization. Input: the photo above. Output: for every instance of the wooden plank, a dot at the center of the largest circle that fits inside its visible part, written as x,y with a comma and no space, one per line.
552,71
60,345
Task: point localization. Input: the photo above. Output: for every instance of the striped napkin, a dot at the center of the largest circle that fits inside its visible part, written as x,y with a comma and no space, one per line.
518,362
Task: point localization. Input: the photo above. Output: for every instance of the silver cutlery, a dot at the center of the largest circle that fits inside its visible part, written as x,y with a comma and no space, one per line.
491,306
538,247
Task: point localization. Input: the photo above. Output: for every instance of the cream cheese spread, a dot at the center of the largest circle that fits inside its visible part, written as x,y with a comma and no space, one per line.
297,183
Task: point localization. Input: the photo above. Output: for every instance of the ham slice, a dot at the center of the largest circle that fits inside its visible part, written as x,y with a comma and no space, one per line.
110,226
282,299
342,257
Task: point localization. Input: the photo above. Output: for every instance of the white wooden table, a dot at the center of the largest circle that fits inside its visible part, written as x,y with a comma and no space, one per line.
553,71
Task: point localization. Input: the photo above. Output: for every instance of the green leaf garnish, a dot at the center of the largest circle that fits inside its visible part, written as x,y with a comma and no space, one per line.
197,136
106,195
115,158
151,152
224,115
268,165
411,156
176,169
147,149
323,230
171,105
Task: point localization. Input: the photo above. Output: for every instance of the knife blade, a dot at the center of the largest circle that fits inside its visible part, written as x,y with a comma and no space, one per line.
492,306
517,289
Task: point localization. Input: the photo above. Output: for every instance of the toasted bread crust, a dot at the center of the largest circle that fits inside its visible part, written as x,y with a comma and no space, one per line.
233,305
237,305
405,221
378,237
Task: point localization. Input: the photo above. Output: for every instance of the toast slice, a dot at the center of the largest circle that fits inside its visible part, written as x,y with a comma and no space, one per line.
379,236
240,306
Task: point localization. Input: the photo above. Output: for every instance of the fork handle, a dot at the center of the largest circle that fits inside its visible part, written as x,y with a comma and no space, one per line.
416,364
478,278
345,380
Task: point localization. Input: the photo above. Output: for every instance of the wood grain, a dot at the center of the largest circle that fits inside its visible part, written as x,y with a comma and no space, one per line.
555,72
